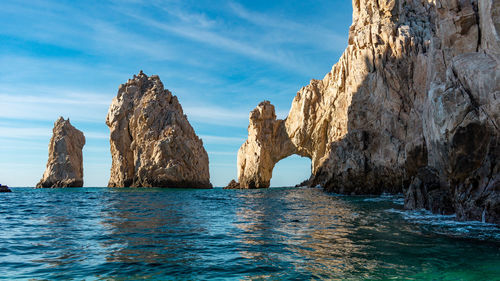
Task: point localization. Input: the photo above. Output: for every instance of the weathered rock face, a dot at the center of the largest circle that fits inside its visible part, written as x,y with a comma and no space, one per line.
65,164
152,142
412,106
267,143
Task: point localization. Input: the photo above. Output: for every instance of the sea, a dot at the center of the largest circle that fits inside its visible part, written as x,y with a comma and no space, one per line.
268,234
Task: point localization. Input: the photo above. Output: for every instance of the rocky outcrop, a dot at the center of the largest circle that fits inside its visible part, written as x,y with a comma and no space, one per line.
152,142
267,143
412,106
304,183
4,188
65,164
232,185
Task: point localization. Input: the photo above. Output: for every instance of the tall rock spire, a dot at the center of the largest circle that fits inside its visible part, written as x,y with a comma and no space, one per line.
152,142
65,164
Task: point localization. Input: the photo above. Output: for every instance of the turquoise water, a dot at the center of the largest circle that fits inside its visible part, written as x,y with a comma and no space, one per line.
275,234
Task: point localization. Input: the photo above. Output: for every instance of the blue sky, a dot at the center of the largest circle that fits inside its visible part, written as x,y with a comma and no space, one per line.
220,58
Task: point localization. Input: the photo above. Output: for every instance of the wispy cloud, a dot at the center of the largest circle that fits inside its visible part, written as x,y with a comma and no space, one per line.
25,133
217,40
219,35
291,30
30,133
208,114
50,111
221,139
62,98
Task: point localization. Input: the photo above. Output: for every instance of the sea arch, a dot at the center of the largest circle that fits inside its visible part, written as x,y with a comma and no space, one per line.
271,140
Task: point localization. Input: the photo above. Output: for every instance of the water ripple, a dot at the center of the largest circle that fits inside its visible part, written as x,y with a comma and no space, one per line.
275,234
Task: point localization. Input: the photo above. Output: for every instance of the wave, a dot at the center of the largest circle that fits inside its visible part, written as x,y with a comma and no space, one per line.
448,225
394,198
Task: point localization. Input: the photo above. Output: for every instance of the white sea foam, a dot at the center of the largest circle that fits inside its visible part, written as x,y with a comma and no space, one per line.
395,198
448,225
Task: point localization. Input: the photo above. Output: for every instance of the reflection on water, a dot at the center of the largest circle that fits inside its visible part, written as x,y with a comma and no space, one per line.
311,240
147,231
285,233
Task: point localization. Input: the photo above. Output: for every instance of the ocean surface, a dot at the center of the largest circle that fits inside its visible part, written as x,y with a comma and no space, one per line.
274,234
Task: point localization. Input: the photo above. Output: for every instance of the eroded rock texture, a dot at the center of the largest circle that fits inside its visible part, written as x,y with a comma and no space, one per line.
152,142
65,164
412,106
267,143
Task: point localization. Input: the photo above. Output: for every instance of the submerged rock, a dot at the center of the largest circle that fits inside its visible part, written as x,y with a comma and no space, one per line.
65,163
4,188
412,106
152,142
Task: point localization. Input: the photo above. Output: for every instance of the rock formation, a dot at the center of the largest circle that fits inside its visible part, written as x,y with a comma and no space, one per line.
4,188
152,142
267,143
65,164
412,106
232,185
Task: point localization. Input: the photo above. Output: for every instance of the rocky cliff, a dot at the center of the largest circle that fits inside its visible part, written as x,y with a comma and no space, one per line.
65,164
152,142
412,106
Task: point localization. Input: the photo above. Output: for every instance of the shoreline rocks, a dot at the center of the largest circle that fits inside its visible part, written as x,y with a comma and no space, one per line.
412,106
4,188
65,163
304,183
232,185
152,142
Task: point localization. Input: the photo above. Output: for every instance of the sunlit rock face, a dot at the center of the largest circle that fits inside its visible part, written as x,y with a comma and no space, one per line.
412,106
267,143
65,163
152,142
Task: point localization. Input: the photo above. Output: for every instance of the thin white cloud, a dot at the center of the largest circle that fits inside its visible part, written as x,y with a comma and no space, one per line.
63,99
109,39
36,102
296,32
189,18
50,103
213,39
220,39
221,139
27,133
50,112
216,115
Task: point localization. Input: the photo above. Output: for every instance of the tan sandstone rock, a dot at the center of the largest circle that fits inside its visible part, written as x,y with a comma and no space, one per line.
65,164
152,142
412,106
267,143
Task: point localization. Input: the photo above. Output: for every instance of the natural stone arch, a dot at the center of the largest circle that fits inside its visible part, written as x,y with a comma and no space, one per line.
268,142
